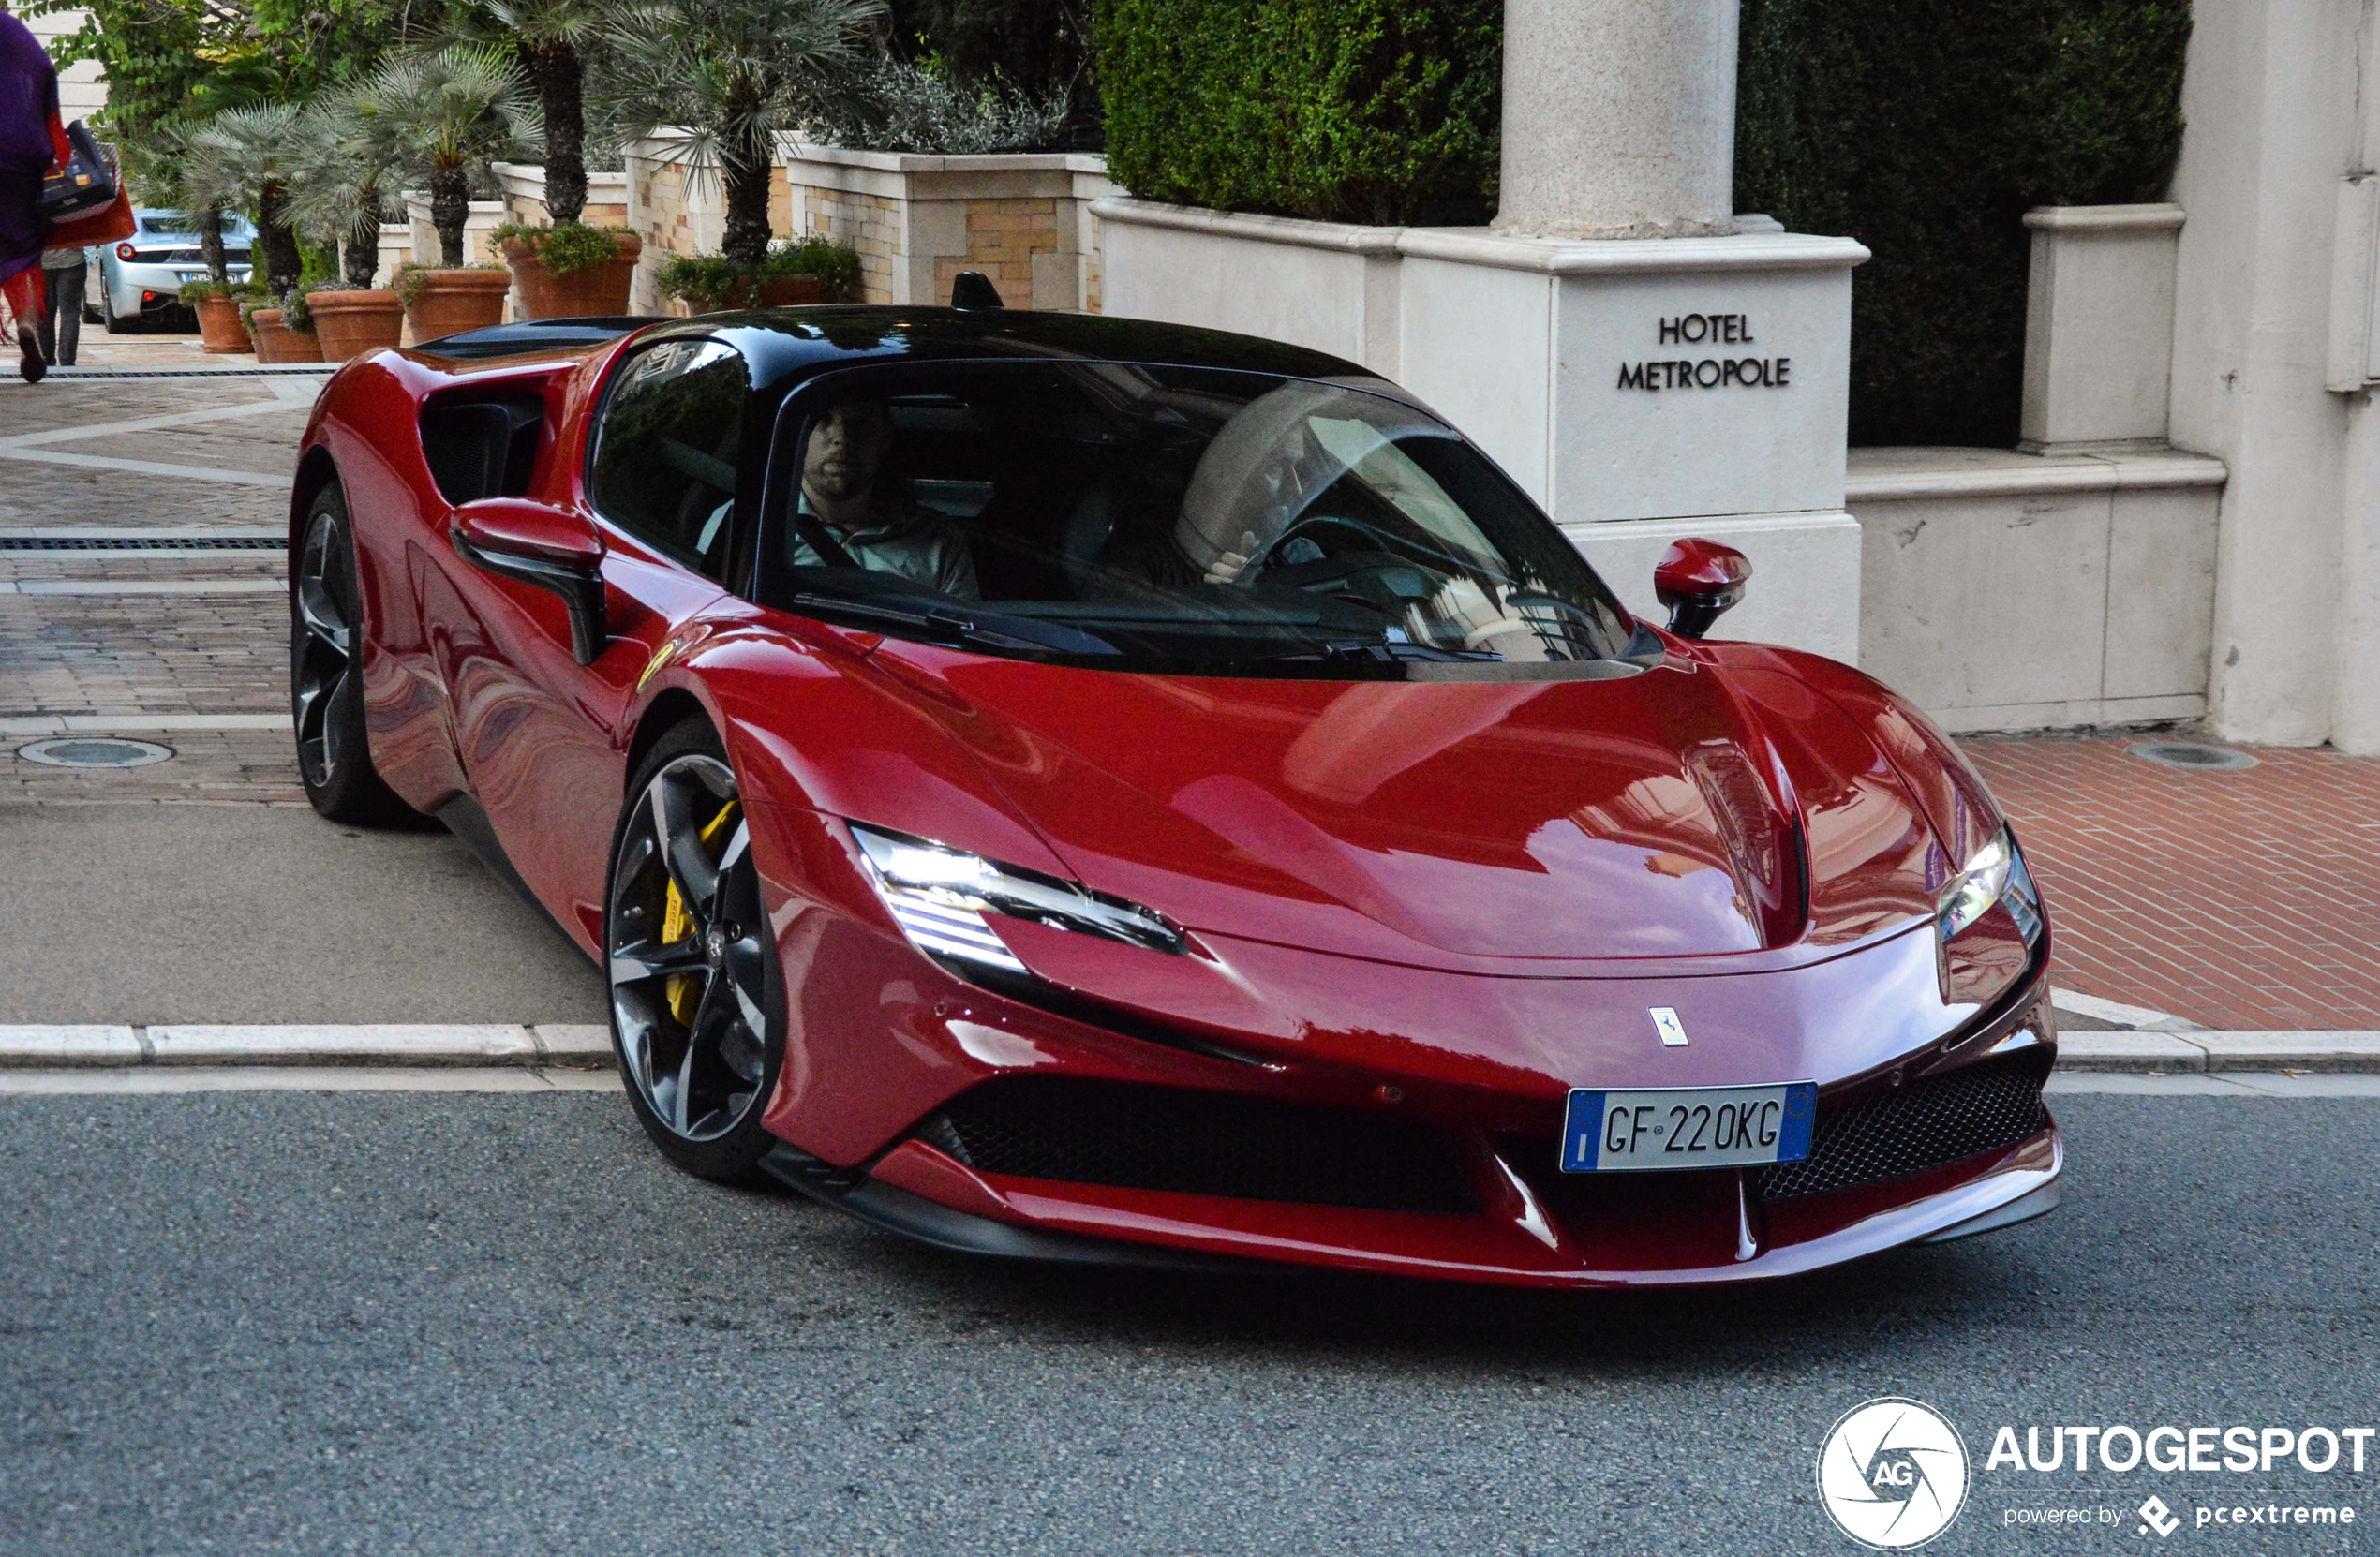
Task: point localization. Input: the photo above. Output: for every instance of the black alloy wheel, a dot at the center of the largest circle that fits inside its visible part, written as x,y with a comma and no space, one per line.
326,682
692,976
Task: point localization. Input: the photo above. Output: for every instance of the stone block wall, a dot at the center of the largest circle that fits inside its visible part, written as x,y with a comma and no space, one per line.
1023,220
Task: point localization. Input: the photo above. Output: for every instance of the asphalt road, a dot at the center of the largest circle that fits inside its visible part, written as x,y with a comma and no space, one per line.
254,913
445,1324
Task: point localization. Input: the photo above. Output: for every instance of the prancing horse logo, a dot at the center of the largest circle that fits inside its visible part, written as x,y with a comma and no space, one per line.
1665,1022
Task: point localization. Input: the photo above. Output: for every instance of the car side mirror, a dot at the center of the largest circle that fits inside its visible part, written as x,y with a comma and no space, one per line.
548,548
1699,581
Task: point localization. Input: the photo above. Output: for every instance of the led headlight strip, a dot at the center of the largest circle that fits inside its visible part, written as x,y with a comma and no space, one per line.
939,895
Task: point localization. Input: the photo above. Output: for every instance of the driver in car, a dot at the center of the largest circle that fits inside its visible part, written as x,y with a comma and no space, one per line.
843,520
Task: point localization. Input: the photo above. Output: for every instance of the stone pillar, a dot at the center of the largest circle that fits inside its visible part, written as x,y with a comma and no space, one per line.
2099,326
1619,118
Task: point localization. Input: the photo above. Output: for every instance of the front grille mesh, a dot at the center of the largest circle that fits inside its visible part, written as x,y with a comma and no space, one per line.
1988,1106
1130,1136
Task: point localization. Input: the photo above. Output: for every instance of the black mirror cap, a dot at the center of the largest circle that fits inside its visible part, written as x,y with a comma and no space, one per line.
972,290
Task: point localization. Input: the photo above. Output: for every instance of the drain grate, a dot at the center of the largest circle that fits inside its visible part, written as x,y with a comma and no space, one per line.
2193,756
141,544
94,751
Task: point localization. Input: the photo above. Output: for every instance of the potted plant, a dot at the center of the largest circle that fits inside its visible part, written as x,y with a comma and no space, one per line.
810,270
285,334
716,82
244,159
221,329
447,300
446,113
349,321
570,270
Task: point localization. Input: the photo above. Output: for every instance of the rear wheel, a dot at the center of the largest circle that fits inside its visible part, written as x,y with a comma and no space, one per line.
695,994
116,323
326,677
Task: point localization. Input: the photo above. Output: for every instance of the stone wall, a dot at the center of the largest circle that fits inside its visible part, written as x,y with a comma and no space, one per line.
523,186
1023,220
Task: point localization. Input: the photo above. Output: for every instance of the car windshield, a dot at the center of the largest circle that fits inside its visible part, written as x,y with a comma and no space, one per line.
1140,517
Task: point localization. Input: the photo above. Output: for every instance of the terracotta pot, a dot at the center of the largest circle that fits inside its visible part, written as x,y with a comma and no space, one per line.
598,291
348,324
791,291
452,302
219,328
276,342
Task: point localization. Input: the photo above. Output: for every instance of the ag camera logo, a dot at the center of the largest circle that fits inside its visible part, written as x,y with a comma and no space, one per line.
1892,1474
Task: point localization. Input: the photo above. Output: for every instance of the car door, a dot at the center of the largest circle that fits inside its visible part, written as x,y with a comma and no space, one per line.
541,734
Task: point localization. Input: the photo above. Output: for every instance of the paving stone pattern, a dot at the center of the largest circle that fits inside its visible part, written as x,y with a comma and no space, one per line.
2246,900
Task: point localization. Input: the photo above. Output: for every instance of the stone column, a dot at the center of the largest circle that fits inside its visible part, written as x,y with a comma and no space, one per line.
1619,118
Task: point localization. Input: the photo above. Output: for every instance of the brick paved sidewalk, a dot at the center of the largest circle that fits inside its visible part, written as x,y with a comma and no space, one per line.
2246,899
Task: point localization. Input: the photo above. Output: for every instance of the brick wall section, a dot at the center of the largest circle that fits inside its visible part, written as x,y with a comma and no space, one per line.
868,223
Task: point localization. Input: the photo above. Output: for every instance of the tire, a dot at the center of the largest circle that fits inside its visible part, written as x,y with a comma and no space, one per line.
697,1001
326,678
115,323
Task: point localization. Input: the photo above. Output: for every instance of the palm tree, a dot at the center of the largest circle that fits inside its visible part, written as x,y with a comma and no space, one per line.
718,80
447,112
158,163
244,159
550,37
348,171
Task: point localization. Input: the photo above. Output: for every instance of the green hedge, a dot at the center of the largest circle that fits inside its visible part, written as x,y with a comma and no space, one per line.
1926,128
1358,111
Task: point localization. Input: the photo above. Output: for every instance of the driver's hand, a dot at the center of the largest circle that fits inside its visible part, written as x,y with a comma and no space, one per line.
1227,567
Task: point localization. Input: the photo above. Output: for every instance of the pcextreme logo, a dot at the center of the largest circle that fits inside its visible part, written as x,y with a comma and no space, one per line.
1892,1474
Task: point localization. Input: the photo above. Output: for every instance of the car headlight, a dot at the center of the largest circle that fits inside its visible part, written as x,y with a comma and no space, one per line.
939,896
1979,884
1982,955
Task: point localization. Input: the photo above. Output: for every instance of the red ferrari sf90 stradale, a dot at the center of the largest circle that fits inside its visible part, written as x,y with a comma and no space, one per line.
1097,791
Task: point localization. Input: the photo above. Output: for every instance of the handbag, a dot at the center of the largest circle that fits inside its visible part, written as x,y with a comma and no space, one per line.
80,184
106,225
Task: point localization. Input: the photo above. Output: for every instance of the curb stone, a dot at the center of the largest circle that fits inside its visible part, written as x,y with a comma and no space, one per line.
88,1044
590,1045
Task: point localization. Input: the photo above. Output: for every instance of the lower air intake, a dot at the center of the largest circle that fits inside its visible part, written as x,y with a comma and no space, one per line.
1129,1136
1986,1107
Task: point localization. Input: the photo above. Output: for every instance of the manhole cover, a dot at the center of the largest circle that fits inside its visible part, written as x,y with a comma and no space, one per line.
94,751
2195,755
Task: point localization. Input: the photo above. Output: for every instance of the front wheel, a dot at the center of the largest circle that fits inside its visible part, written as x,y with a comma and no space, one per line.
694,989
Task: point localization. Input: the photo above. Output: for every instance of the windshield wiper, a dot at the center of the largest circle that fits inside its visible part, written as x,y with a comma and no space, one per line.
954,622
1385,653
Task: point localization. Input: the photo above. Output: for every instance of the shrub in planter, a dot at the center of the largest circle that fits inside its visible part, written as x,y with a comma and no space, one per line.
810,270
221,329
1351,110
1926,132
349,321
570,270
441,301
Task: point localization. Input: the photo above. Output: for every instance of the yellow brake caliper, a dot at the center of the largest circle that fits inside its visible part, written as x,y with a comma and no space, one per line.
677,923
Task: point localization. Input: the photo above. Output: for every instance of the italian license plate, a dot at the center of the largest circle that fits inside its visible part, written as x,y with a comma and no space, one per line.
1688,1127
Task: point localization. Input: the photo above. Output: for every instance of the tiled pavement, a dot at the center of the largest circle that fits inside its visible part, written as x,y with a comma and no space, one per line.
2245,900
2238,899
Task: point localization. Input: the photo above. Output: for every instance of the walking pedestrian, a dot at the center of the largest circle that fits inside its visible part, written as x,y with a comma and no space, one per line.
32,140
63,273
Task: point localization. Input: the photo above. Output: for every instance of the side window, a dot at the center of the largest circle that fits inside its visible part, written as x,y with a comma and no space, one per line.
667,450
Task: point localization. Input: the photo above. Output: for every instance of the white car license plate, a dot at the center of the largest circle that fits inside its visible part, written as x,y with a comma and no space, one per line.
1688,1127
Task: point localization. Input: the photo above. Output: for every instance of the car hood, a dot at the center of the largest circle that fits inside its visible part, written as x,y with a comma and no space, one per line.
1685,811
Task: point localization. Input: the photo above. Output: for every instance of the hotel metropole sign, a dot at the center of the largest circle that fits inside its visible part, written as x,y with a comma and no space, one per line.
1725,370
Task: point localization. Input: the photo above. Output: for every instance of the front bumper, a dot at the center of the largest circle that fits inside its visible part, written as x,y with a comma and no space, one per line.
952,1172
